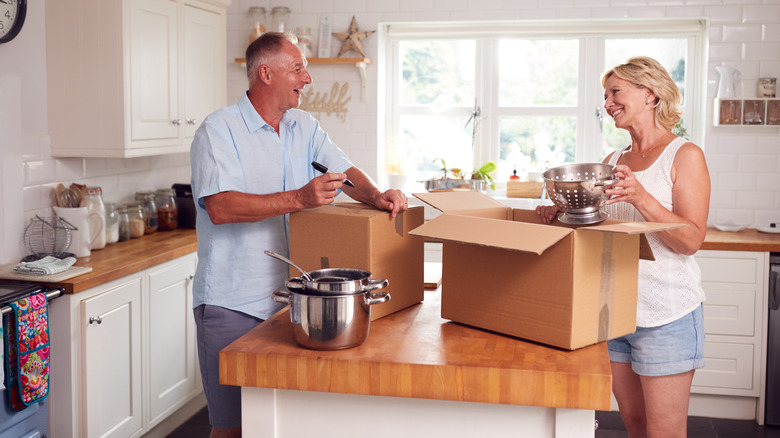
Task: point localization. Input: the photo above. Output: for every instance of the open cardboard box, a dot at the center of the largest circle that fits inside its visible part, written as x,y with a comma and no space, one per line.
505,270
358,236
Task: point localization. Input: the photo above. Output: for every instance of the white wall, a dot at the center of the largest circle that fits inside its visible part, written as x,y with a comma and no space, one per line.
744,162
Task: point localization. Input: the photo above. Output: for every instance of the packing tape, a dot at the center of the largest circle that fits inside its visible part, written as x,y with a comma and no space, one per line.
324,263
399,223
606,288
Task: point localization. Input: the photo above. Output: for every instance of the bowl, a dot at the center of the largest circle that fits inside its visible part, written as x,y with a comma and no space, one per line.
729,227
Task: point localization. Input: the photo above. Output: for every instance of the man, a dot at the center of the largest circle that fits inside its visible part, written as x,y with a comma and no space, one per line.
251,166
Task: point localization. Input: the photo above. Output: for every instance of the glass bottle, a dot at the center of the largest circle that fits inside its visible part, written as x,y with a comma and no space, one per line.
124,223
95,204
146,199
112,223
257,15
167,211
137,220
304,41
279,16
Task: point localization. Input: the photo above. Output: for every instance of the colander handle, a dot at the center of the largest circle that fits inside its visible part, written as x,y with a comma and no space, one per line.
606,182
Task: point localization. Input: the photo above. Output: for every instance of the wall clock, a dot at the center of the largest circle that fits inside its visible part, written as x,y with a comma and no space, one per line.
12,13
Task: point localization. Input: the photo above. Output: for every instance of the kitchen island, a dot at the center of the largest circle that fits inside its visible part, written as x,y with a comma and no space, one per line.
416,375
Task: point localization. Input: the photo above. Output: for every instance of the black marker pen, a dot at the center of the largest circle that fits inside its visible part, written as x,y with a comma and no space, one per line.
322,169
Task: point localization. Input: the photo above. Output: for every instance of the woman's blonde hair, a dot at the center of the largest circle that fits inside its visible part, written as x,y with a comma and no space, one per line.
646,72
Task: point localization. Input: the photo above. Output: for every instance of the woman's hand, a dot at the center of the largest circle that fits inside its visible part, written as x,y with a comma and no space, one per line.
548,213
629,189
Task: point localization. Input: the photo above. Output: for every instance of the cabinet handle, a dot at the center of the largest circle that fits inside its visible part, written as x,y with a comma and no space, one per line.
191,277
176,122
96,319
191,121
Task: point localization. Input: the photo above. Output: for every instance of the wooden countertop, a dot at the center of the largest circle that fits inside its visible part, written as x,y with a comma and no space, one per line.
748,239
415,353
129,257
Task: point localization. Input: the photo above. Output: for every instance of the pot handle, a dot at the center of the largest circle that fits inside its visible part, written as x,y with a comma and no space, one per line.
377,297
281,296
376,283
294,283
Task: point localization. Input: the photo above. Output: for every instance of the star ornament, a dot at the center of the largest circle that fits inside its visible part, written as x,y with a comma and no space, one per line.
352,38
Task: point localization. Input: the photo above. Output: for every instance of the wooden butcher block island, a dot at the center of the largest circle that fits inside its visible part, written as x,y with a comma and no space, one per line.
416,354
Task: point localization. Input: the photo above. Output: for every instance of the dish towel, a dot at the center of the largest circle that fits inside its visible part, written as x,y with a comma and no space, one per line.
45,266
27,351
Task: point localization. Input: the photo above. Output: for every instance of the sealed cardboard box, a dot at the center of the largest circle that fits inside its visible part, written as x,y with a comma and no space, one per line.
355,235
505,271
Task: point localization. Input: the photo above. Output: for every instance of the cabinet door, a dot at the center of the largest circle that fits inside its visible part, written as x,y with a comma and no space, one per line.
154,75
112,361
204,73
172,377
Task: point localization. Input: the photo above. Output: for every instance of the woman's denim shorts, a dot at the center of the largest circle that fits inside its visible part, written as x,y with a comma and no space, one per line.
665,350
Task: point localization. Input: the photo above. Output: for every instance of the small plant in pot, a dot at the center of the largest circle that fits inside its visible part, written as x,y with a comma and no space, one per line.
481,178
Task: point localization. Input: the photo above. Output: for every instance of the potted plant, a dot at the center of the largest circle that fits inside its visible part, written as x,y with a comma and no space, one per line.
481,178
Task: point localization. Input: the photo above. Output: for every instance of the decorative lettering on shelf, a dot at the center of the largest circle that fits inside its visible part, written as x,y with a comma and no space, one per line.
333,103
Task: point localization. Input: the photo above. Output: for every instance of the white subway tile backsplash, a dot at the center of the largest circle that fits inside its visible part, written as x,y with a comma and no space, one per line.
684,11
648,12
723,14
739,33
736,181
725,52
416,5
756,163
754,199
761,51
69,169
39,172
721,199
768,13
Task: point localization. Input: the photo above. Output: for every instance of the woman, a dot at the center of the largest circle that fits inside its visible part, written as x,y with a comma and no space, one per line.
663,178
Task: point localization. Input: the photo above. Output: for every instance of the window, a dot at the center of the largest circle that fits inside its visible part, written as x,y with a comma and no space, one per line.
526,95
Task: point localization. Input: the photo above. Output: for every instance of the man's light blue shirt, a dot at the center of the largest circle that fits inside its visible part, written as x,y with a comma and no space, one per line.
236,150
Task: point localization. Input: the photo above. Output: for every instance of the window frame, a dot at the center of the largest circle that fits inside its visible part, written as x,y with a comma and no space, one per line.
591,34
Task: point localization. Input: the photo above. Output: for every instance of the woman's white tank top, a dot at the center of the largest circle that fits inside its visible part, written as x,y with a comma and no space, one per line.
669,286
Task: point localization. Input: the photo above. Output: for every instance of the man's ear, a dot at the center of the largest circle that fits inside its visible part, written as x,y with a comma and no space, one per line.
264,73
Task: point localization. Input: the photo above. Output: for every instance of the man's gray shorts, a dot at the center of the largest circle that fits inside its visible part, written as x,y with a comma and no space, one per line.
217,327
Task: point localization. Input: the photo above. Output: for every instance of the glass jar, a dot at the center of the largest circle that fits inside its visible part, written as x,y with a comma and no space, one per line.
304,41
279,15
94,201
124,223
135,213
167,211
146,199
112,223
257,16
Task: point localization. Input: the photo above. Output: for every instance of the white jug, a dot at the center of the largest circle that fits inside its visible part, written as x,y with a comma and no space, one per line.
729,79
82,238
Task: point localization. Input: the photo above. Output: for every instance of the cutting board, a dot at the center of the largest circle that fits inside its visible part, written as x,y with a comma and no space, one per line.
7,273
432,275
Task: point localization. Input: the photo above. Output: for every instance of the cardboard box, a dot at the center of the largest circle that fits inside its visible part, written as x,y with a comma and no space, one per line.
506,271
355,235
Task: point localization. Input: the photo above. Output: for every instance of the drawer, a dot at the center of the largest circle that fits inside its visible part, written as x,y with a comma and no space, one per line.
721,267
727,367
729,310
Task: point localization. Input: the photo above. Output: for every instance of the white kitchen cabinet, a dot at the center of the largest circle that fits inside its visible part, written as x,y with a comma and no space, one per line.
736,288
130,361
112,360
134,77
171,339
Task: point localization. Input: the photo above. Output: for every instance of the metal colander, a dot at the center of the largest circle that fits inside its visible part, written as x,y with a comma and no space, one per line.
47,237
578,190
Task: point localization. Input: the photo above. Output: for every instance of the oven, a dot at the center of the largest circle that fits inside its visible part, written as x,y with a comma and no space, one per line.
33,421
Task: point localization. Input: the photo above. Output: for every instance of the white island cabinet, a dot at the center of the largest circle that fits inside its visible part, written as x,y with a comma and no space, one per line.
129,78
130,361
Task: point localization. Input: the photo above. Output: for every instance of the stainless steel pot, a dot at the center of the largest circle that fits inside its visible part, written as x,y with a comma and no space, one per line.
336,281
330,322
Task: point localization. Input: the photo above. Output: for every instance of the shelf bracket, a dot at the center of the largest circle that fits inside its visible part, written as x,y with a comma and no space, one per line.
362,70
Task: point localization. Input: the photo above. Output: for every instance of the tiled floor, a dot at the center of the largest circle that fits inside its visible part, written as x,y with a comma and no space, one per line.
610,426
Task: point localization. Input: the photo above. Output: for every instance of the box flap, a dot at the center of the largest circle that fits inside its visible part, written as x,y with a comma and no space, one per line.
634,227
348,208
454,202
497,233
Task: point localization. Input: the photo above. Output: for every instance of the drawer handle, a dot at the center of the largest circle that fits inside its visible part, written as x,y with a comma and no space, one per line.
774,290
96,319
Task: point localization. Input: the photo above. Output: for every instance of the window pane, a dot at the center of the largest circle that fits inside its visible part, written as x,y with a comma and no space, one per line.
533,144
437,73
423,138
538,72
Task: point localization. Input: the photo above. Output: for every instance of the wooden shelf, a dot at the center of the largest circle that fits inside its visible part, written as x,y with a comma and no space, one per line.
326,60
360,63
756,111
